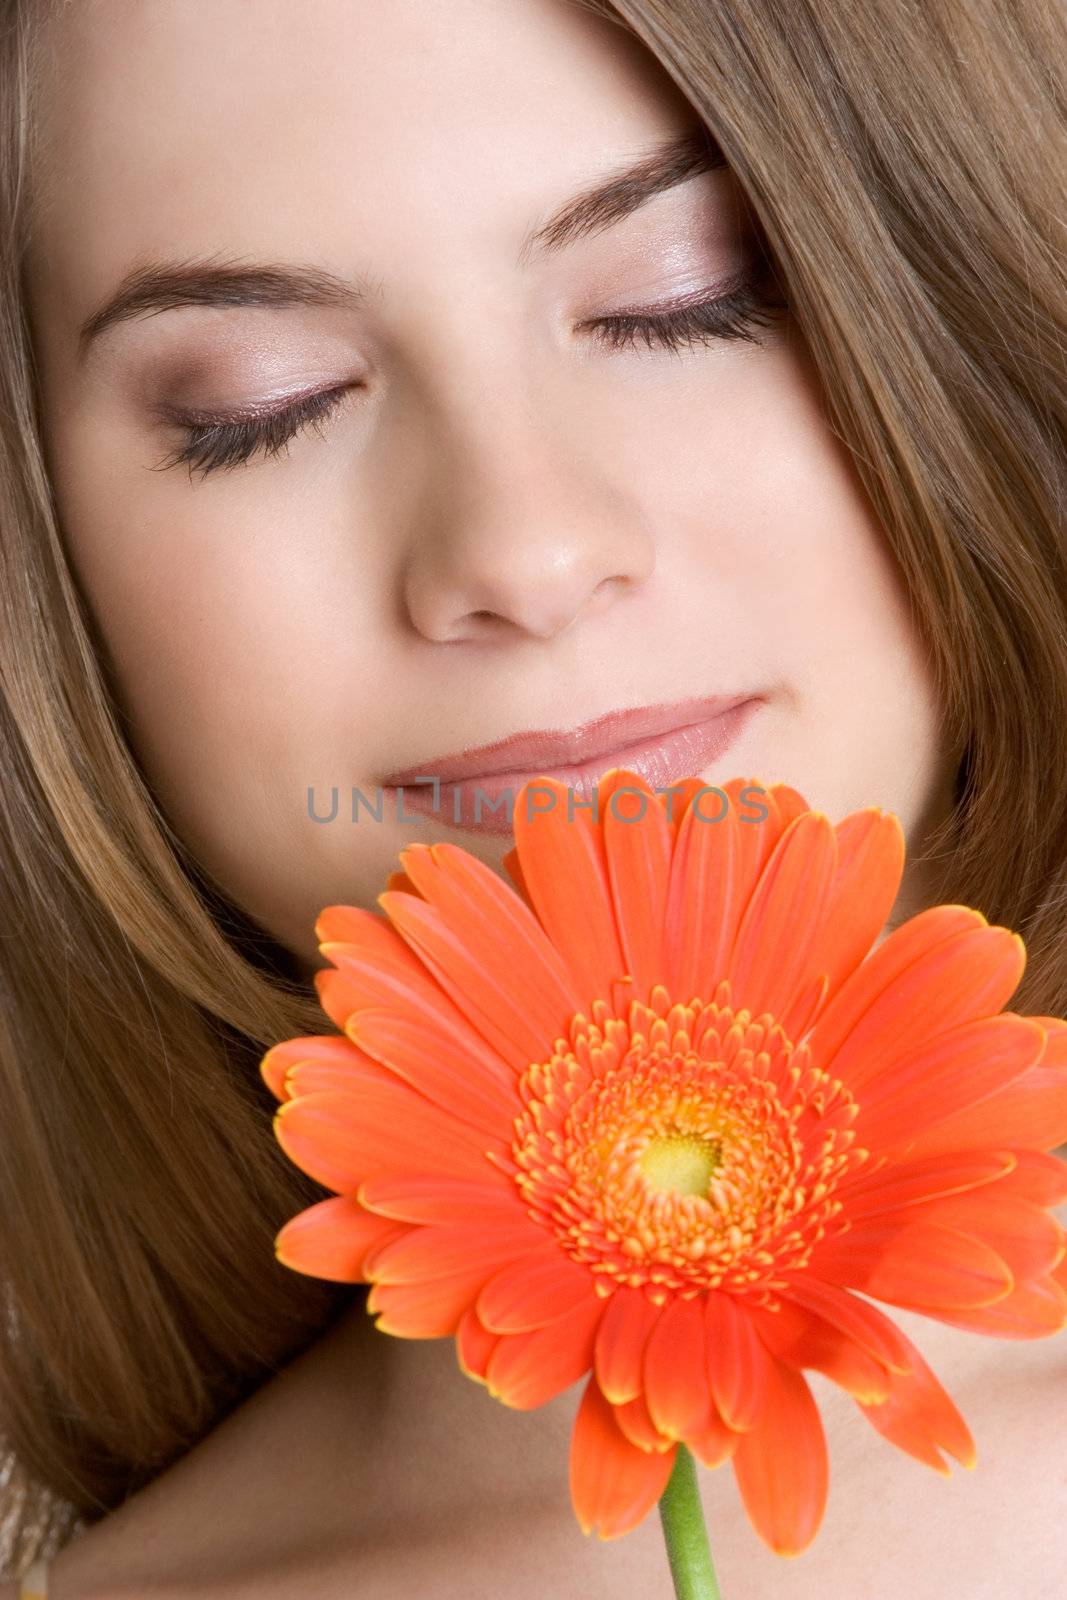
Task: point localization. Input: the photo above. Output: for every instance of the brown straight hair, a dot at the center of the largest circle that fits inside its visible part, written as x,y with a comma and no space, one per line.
905,165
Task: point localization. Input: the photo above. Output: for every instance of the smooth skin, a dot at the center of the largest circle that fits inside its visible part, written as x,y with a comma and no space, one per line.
505,525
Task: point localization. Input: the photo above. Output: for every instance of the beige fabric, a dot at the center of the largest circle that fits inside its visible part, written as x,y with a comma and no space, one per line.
35,1583
34,1525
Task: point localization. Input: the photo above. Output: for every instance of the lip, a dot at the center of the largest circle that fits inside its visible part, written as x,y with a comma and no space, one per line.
661,743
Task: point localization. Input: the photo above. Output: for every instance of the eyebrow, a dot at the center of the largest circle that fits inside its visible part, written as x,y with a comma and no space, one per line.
609,200
165,286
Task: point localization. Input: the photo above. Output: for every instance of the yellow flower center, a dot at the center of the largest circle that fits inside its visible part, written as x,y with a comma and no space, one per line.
680,1147
681,1163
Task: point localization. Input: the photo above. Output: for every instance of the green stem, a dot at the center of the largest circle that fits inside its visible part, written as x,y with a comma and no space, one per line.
682,1516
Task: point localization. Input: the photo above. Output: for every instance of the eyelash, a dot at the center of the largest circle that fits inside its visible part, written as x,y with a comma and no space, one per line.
734,314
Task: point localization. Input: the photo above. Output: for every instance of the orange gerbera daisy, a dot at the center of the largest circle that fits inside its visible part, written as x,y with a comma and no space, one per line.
661,1118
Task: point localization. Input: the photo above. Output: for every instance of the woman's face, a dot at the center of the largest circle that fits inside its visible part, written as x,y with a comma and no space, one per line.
501,520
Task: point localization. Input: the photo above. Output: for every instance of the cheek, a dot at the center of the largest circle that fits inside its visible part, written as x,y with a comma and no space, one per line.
736,457
225,628
239,614
740,463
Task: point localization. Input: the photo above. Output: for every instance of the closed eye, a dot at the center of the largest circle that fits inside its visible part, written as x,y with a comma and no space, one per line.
212,444
695,319
228,441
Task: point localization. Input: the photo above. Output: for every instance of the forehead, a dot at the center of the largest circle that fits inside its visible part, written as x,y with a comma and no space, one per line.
249,125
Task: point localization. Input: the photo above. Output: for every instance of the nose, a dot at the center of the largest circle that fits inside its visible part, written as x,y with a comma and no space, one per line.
521,534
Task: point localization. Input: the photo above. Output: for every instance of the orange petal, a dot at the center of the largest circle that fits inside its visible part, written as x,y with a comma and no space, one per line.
713,870
1038,1177
526,1369
430,1309
915,1264
1056,1029
435,1062
940,968
496,1008
722,843
803,1338
540,1288
422,1197
781,925
331,1238
380,969
614,1484
357,925
909,1183
408,991
677,1388
337,995
513,867
324,1047
738,1361
781,1464
676,800
564,867
806,1004
637,842
944,1074
620,1347
870,865
786,803
1032,1111
341,1138
920,1418
474,1345
1058,1275
395,1012
526,971
352,1074
1032,1311
859,1321
429,1252
780,805
634,1420
1027,1239
713,1442
377,964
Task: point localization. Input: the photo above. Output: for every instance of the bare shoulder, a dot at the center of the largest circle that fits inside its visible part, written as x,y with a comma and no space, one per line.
237,1527
269,1505
227,1518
